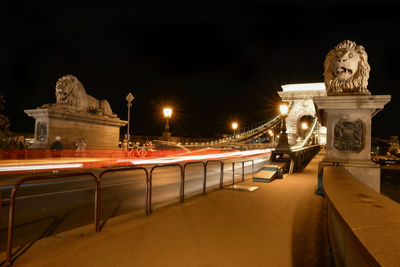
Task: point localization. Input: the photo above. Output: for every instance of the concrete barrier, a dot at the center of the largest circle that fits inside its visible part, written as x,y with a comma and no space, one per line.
364,226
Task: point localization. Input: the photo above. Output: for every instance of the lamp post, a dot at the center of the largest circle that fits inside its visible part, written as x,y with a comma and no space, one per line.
167,115
129,98
271,134
283,143
234,127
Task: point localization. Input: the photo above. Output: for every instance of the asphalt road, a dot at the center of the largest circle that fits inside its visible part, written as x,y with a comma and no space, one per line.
52,207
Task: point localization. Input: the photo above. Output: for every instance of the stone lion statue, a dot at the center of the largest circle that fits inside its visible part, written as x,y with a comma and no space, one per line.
346,70
70,91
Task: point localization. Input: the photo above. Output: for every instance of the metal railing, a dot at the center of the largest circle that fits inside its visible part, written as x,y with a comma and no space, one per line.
132,169
32,178
221,177
233,169
204,173
97,179
182,189
183,176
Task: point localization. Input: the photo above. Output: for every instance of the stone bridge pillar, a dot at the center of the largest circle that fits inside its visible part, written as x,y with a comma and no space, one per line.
348,122
346,111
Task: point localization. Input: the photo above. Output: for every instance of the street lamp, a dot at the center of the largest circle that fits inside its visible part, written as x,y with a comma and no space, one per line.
129,98
234,127
271,134
283,143
304,127
167,115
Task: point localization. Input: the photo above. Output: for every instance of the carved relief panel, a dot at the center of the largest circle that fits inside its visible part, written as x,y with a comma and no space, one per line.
41,131
348,135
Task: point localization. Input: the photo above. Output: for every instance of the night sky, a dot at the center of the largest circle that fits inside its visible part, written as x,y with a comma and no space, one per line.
214,61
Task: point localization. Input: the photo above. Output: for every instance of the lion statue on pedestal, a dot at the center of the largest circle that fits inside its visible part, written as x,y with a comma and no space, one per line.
347,70
70,91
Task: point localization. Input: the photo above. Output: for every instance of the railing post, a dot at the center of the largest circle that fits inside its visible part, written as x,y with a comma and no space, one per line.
252,169
233,173
205,178
242,171
221,178
10,228
97,205
147,193
150,190
182,195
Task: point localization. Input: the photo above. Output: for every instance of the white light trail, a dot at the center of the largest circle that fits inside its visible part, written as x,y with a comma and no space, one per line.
198,157
40,167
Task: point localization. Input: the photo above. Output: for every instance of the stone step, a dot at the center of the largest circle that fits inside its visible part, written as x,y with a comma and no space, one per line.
274,167
265,176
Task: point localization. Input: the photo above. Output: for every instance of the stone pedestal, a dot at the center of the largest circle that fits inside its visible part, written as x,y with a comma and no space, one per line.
166,136
100,132
348,122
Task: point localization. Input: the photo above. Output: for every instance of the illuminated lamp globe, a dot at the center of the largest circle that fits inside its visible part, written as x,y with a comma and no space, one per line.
167,112
234,125
304,125
284,108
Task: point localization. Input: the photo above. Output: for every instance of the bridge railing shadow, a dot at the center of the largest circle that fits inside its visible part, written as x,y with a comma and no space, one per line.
10,234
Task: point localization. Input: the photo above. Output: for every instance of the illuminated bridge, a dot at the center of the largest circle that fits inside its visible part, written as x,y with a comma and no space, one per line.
279,224
303,128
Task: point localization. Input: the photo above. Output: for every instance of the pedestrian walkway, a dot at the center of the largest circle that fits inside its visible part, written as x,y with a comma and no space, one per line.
282,223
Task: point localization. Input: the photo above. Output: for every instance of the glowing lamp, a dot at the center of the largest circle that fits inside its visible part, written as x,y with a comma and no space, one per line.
284,108
304,125
167,112
234,125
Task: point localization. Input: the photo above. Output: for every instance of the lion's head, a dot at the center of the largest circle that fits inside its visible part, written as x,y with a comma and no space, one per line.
347,70
68,90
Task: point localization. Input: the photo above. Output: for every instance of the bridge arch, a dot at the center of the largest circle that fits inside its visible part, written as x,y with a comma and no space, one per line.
304,122
300,98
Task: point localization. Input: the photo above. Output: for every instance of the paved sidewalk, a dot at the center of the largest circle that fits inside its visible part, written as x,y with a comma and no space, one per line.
280,224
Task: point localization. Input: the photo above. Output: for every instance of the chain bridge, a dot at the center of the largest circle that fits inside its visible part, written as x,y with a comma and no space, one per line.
302,126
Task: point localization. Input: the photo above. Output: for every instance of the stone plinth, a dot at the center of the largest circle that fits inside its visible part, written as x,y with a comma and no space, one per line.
100,132
348,122
166,136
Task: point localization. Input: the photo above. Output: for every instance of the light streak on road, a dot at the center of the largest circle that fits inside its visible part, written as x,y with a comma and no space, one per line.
87,163
40,167
224,155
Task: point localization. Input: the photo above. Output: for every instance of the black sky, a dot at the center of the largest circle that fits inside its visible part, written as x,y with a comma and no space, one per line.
213,61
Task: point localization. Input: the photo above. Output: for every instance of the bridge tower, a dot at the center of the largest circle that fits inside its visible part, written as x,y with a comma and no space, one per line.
300,97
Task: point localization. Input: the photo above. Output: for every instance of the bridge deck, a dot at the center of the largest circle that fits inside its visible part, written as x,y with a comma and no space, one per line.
280,224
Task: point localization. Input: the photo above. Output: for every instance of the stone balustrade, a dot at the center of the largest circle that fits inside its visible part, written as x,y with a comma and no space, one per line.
364,226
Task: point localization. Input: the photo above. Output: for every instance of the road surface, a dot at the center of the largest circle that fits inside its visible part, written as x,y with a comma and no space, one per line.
52,207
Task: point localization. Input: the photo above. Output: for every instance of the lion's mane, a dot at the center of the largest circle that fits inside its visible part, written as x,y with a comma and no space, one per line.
357,83
70,91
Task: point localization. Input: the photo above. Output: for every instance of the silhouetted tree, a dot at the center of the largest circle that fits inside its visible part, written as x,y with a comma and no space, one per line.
4,124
